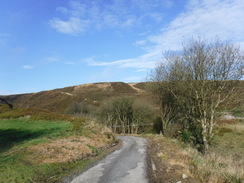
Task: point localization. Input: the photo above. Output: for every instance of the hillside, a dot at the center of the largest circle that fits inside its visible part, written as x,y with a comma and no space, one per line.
58,100
94,93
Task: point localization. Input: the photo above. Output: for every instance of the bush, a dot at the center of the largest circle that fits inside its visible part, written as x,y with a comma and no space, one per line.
157,125
80,109
186,136
79,123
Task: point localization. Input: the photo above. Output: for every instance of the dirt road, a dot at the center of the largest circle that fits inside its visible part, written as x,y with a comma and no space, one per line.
127,164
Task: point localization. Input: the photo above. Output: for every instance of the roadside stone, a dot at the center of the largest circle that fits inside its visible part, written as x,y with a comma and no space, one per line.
184,176
179,182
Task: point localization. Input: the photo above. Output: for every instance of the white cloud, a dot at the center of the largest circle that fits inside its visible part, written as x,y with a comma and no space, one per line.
140,43
52,59
62,10
209,18
145,33
84,15
168,3
72,26
27,67
158,17
142,70
89,60
146,61
150,4
221,18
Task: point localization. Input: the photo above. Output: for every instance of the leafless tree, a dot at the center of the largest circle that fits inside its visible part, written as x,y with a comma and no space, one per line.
125,114
142,114
164,99
198,79
80,109
117,114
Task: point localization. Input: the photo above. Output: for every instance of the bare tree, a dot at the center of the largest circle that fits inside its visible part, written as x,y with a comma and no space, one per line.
199,78
80,109
125,114
165,100
108,115
117,114
142,114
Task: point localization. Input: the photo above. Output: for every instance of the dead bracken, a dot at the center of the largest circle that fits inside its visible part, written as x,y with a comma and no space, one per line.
68,149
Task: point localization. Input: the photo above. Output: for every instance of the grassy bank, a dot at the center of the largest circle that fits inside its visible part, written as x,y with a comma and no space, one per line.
225,160
22,132
224,163
46,151
16,136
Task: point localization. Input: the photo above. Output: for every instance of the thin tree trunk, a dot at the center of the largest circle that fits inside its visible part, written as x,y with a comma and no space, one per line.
205,136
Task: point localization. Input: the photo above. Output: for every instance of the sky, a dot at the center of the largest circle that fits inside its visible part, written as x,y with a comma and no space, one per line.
50,44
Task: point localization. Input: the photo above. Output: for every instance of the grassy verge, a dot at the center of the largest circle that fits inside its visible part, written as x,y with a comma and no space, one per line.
22,132
168,162
46,151
223,164
225,161
16,136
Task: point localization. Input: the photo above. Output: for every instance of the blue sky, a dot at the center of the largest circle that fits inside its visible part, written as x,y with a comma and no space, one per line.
50,44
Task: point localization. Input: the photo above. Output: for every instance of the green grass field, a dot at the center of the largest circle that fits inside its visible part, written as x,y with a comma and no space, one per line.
47,151
22,132
229,139
15,160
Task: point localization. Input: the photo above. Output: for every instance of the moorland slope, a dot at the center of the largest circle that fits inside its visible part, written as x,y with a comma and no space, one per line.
58,100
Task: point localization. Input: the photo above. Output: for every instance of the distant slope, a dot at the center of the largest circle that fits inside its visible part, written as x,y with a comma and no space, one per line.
58,100
93,93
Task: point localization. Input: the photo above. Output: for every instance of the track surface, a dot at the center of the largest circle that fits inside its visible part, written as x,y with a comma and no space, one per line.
125,165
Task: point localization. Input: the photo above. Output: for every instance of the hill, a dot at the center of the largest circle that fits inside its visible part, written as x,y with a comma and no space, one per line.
58,100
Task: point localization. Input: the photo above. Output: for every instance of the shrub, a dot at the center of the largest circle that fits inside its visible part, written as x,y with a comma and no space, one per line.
79,123
186,136
157,125
80,109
